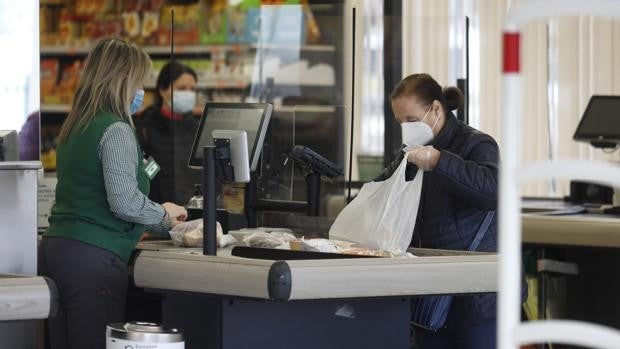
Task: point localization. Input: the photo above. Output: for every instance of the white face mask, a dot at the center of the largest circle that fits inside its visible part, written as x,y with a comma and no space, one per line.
184,101
418,133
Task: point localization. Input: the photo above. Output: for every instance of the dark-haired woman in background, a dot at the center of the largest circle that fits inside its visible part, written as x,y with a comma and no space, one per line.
459,188
167,135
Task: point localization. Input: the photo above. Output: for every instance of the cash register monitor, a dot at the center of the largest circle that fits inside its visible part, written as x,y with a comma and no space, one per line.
600,123
253,118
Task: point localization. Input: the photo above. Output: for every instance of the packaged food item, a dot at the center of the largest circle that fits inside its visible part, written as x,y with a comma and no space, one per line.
186,24
193,238
68,81
69,29
150,27
237,20
49,75
214,22
264,237
343,247
189,234
131,24
236,25
234,197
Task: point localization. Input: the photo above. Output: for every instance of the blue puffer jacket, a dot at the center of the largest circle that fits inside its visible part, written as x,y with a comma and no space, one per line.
456,196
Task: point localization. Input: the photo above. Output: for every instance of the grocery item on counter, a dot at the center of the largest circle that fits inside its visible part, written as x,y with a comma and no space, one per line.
189,234
344,247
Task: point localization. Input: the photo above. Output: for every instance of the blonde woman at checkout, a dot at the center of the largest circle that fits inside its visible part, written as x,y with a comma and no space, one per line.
102,205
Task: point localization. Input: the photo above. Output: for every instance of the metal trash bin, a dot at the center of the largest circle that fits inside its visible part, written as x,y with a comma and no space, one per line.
143,335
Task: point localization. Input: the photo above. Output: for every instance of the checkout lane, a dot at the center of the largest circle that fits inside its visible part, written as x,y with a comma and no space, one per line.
334,303
187,278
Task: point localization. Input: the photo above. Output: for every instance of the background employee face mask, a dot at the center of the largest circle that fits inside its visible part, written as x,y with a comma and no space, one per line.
418,133
137,102
184,101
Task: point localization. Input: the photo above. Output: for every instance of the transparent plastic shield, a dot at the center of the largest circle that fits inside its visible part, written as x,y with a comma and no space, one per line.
322,129
297,57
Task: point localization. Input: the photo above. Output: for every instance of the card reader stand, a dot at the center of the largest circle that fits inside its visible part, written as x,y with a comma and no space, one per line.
314,166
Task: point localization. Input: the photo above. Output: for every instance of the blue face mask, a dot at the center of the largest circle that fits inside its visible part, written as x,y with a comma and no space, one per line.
137,102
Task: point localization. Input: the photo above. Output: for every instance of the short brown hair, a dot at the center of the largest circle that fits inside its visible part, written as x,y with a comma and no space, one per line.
426,90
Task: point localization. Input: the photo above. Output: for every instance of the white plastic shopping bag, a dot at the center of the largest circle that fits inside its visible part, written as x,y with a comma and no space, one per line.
383,214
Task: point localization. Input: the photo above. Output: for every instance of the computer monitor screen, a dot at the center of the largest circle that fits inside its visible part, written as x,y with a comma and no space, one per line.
600,123
253,118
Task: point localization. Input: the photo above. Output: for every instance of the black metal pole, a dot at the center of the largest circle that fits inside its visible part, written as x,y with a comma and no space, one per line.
466,107
313,191
209,206
352,128
171,123
249,198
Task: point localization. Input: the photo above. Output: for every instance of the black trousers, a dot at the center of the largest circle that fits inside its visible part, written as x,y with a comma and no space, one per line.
92,285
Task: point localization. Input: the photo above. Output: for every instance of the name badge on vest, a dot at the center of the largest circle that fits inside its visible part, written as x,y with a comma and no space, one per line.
151,168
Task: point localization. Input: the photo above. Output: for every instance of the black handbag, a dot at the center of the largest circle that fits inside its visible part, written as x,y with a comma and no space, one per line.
431,312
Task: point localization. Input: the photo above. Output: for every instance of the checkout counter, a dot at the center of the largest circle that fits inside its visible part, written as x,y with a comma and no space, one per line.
24,297
584,248
226,301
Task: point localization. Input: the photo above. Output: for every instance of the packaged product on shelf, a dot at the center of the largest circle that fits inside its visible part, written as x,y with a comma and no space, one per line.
111,27
214,19
150,27
103,27
48,25
68,81
137,5
49,75
91,7
156,4
186,24
131,24
68,30
236,24
237,20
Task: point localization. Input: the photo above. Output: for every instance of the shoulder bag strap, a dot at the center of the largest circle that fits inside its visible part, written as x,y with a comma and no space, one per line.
483,229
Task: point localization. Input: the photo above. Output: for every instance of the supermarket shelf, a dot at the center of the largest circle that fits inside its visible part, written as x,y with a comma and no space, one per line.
240,84
306,109
189,49
55,108
279,47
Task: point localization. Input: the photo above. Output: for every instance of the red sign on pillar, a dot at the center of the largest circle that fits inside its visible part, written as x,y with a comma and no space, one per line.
511,52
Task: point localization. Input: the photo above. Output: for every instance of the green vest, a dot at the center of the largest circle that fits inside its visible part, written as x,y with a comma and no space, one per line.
81,211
